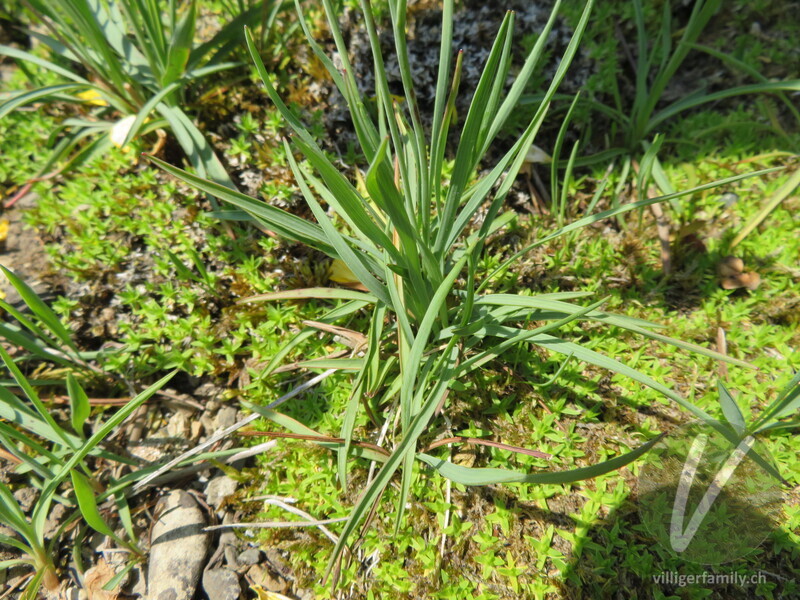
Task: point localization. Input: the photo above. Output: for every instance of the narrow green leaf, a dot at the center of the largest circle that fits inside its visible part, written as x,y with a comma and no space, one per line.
25,98
14,543
342,364
785,403
54,430
280,221
38,350
28,57
40,309
779,196
198,150
42,508
490,476
730,409
375,489
354,260
87,503
753,88
180,45
79,404
612,212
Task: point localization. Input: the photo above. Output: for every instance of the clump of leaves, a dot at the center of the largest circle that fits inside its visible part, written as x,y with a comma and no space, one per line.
414,239
658,61
47,454
123,62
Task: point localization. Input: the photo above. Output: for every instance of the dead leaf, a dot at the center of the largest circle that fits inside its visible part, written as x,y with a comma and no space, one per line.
351,338
537,155
263,594
95,578
341,273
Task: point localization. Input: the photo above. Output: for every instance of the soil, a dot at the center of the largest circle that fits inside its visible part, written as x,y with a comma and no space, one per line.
23,252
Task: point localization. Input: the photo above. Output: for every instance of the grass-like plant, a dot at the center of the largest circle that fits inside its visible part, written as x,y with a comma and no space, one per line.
38,331
658,60
127,64
48,455
415,241
46,452
785,405
637,121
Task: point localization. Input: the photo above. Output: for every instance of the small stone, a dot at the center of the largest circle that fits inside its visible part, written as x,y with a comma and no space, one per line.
137,582
226,417
252,556
178,548
208,422
221,584
72,594
195,428
26,497
178,425
277,562
218,490
210,391
263,577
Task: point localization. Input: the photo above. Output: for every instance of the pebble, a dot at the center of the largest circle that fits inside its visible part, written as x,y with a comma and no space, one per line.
226,417
251,556
218,489
221,584
53,522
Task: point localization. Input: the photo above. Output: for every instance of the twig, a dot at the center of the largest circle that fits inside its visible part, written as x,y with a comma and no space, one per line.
662,227
17,584
479,442
27,186
722,348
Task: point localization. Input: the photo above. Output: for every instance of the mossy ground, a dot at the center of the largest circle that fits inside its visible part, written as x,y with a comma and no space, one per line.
554,541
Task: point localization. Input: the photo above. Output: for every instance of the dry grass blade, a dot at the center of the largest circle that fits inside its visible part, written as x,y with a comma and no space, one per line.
229,430
309,520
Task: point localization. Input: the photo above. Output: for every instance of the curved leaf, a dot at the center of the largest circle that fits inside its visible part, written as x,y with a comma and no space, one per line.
488,476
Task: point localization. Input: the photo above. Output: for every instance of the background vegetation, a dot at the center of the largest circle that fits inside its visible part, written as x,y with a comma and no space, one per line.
146,279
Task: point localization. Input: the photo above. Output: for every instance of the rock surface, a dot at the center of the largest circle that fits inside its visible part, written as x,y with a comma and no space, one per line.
178,548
